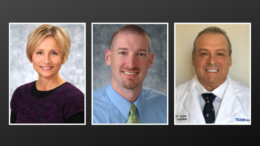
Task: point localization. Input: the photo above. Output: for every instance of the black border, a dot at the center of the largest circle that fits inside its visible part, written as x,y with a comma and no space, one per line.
126,11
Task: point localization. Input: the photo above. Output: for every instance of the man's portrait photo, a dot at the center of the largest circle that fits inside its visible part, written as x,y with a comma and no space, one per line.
129,74
212,73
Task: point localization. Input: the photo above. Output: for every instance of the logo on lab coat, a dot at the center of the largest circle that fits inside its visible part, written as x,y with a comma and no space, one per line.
242,119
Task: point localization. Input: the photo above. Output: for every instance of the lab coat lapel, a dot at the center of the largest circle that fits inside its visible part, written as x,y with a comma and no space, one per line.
229,104
192,105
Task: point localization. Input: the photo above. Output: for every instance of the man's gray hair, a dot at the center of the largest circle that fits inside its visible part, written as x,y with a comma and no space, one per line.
213,29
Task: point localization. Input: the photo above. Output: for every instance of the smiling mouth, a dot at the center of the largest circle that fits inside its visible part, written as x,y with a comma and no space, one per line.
216,70
130,73
46,68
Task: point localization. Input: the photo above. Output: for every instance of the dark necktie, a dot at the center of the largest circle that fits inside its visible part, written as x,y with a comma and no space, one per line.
208,111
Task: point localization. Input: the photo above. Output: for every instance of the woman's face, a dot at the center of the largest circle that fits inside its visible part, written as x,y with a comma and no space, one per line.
47,58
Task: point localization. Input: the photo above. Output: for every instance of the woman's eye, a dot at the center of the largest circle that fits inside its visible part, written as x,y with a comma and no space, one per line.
203,54
39,52
54,53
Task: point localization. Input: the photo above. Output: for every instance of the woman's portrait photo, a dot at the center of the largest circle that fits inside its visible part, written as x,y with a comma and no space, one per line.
47,73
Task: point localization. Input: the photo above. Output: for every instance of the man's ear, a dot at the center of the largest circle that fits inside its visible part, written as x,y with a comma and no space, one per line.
230,62
107,57
193,62
151,60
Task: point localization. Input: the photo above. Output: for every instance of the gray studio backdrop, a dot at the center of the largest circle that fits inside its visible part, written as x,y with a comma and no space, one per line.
21,71
157,75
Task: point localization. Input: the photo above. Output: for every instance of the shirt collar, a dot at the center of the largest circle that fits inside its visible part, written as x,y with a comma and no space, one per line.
139,103
219,91
124,105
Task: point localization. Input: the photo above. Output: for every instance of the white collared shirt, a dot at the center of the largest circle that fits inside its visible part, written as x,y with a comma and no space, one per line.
219,92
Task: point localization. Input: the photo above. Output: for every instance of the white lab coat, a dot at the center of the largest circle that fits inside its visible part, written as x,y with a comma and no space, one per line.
234,107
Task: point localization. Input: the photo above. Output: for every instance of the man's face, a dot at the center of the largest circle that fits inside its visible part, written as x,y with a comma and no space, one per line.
211,59
130,60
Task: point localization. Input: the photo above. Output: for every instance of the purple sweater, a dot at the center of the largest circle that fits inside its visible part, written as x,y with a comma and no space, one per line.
66,101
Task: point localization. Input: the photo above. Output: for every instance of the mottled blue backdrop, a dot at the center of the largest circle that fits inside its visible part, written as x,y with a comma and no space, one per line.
22,71
157,75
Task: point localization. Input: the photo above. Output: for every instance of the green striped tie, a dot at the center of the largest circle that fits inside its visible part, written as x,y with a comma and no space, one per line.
132,118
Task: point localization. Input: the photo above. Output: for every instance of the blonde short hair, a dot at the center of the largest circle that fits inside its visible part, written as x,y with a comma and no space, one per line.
46,30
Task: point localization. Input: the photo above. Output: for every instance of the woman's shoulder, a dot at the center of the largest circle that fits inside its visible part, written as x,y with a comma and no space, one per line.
70,95
24,87
19,93
71,89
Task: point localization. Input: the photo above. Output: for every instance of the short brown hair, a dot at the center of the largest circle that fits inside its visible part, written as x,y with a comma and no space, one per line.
213,29
132,29
46,30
